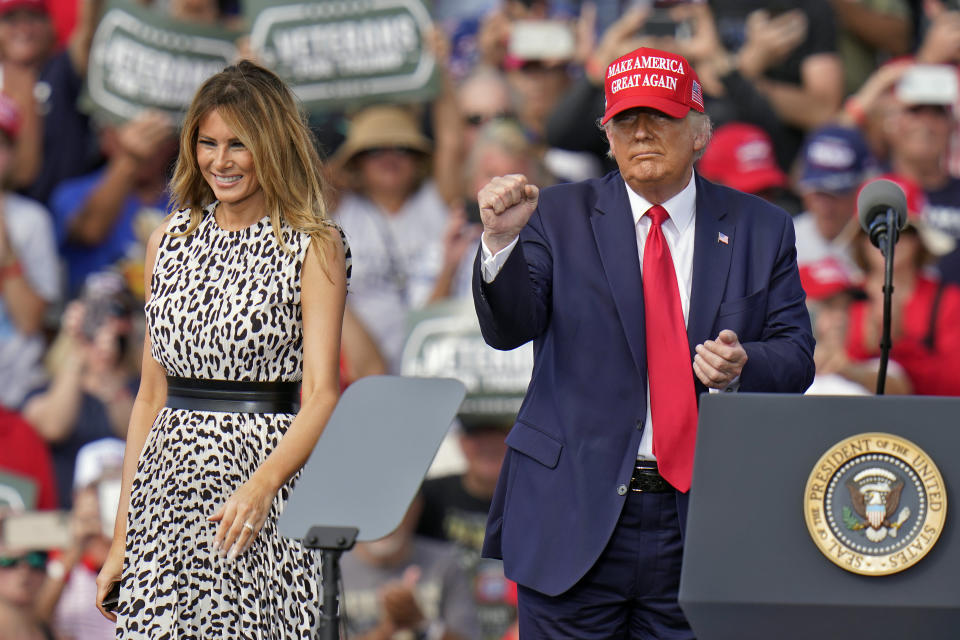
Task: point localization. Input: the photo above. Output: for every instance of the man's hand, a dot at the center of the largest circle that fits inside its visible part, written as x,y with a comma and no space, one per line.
620,38
141,137
399,602
941,44
506,204
770,39
719,362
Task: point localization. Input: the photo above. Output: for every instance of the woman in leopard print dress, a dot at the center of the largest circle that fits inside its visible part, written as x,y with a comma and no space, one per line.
246,284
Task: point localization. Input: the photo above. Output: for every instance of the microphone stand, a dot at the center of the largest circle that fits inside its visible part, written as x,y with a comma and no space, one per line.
886,234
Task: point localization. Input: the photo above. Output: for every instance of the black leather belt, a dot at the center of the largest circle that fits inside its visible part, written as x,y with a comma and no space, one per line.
231,396
647,479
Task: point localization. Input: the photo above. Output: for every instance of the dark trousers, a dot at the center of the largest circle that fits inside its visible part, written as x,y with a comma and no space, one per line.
631,592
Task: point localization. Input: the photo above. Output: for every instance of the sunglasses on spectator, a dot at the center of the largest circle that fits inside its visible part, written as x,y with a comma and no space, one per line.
934,109
34,559
376,151
477,119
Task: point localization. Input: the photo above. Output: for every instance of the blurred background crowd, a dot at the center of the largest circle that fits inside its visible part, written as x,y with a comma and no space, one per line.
809,99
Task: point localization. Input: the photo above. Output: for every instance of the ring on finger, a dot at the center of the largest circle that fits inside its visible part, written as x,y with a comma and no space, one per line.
247,525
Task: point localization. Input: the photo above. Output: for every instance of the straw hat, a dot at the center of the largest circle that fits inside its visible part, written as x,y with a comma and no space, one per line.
378,127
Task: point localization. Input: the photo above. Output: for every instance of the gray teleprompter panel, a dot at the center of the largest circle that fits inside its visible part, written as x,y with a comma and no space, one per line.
373,454
751,569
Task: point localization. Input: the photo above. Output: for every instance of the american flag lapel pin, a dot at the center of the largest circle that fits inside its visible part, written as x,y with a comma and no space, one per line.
722,238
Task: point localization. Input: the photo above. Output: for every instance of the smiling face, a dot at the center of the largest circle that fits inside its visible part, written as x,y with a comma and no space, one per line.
831,212
227,166
921,134
390,171
26,36
655,152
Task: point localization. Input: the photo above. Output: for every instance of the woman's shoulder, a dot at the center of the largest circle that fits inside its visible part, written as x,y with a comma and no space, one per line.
182,217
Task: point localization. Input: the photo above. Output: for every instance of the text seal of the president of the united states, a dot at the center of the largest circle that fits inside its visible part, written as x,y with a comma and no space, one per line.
875,504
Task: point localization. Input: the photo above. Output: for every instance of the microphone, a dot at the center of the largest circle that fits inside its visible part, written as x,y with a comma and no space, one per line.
875,201
882,208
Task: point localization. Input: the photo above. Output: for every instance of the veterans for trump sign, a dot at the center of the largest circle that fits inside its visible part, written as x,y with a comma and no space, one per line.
142,59
445,342
339,52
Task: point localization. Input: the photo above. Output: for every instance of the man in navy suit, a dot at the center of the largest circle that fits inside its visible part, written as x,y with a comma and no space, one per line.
640,290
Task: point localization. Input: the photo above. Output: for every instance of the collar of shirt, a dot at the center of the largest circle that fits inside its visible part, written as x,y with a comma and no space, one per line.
681,207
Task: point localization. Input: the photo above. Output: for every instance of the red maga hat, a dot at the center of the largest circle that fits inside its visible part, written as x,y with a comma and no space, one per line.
652,78
825,278
6,6
741,156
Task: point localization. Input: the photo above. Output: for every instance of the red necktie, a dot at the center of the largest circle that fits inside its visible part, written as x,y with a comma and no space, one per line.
673,401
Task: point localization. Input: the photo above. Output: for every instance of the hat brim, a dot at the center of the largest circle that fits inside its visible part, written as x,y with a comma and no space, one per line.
934,240
29,5
351,148
672,108
759,180
833,183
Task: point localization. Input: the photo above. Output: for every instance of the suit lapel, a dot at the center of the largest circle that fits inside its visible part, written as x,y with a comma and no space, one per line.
711,262
616,239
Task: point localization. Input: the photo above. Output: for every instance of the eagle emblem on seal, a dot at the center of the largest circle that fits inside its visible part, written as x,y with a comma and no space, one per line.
875,494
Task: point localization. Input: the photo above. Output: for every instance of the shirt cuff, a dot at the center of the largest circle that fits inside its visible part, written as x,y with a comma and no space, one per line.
734,386
491,264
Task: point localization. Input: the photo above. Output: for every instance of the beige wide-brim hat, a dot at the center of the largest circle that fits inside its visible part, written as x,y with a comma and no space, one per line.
381,127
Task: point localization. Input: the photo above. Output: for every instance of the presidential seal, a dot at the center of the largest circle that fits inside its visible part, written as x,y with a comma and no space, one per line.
875,504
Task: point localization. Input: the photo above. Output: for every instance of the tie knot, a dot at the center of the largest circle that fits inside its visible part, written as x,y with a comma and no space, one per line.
657,214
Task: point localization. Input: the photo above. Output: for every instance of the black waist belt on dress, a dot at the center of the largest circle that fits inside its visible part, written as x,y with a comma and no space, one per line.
232,396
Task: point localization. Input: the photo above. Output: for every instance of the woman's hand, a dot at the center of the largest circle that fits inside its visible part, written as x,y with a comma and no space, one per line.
109,574
241,517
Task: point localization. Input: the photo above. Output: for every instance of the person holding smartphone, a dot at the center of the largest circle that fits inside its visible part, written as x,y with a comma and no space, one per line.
245,288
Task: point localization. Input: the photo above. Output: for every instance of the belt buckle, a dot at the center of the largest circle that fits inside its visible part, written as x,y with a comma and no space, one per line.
647,479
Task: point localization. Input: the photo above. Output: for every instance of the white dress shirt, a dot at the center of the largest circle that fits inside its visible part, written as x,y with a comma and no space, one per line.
678,230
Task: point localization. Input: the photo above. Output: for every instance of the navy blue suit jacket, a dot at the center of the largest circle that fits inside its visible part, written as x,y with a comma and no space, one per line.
573,286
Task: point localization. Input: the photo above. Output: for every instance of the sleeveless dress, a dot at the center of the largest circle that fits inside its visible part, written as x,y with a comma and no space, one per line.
225,305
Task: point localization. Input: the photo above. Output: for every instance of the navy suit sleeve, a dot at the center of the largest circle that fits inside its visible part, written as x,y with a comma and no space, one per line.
515,307
782,360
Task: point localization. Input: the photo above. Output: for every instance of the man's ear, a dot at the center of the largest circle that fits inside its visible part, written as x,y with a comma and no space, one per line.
701,138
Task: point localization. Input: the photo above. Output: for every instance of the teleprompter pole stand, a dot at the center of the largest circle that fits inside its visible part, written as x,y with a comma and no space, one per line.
331,542
383,426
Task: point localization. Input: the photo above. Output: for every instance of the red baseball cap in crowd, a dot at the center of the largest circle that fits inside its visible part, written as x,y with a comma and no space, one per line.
652,78
6,6
741,156
825,278
9,117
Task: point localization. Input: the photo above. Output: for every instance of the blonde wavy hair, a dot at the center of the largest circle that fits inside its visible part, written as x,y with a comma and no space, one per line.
265,116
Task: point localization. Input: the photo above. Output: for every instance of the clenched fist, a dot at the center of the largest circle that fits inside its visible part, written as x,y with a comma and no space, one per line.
506,204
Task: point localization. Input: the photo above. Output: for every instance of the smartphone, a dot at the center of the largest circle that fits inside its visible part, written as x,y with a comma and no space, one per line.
112,599
659,4
472,209
37,530
541,40
659,23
